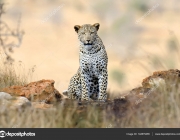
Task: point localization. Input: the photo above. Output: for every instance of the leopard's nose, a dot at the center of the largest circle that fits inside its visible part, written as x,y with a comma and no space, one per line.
88,41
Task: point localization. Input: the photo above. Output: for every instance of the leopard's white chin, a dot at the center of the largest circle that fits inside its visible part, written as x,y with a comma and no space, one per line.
88,47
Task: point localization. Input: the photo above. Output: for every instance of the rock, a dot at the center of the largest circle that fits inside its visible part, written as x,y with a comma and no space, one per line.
5,96
7,101
160,77
42,90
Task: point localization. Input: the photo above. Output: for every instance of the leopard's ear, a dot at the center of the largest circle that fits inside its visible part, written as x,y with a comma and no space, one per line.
77,27
97,26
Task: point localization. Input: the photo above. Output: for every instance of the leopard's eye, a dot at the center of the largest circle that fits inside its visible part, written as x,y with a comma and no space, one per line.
92,32
83,33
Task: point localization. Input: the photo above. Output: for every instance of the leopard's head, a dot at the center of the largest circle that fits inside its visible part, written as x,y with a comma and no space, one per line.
87,34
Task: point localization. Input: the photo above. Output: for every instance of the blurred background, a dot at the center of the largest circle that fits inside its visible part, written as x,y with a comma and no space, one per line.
140,37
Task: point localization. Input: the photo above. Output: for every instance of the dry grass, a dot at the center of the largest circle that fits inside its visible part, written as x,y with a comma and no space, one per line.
159,110
13,74
61,116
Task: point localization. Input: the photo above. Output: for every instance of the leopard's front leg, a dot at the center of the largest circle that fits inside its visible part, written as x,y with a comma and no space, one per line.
103,77
84,85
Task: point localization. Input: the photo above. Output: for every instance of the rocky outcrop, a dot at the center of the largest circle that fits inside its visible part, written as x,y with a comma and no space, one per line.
159,78
42,90
126,103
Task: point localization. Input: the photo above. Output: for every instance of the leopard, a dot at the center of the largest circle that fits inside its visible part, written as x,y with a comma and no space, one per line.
91,80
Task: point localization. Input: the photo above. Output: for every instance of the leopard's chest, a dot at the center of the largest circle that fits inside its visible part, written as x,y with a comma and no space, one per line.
92,65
